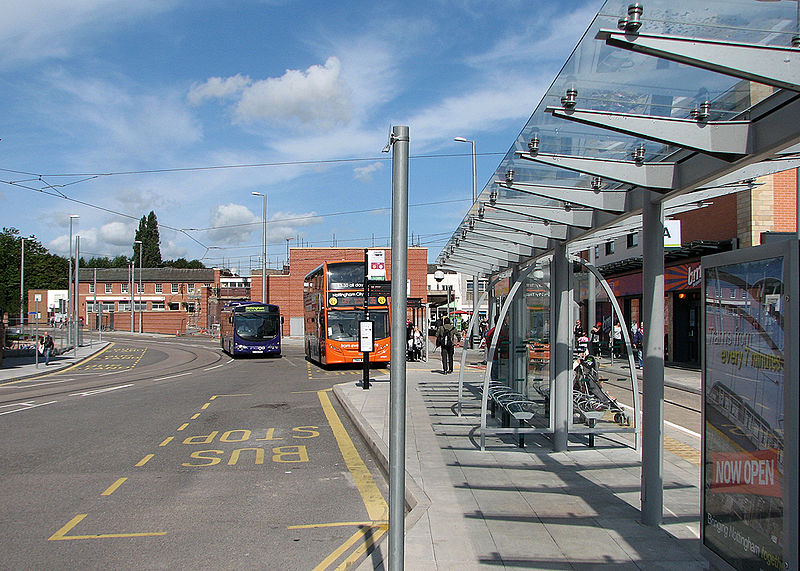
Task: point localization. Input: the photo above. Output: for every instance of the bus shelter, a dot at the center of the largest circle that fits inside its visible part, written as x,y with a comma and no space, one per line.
662,106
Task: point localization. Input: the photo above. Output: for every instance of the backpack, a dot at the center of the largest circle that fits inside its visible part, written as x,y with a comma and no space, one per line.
447,339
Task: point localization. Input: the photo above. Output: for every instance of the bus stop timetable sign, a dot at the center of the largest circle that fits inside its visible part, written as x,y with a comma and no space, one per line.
366,339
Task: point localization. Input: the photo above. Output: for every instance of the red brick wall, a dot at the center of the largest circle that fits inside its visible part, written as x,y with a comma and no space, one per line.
784,187
717,222
287,290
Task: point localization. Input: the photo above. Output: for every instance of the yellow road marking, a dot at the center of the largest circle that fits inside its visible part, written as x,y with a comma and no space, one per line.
336,524
369,541
183,426
61,534
325,563
217,396
54,373
205,406
113,487
144,460
166,441
195,416
377,509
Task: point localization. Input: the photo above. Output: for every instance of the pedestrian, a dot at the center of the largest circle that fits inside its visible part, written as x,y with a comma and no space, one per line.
46,347
617,340
637,342
446,338
577,331
594,339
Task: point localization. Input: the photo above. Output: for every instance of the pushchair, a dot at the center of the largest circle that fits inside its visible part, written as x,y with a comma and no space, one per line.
588,396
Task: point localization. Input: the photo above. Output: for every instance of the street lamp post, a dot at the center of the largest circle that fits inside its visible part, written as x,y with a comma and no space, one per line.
474,199
263,248
69,285
140,284
22,287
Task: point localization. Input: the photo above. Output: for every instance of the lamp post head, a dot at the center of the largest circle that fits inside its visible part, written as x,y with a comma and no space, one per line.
254,193
461,140
74,215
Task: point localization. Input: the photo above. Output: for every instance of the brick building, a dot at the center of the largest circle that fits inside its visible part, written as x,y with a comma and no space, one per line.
286,290
170,300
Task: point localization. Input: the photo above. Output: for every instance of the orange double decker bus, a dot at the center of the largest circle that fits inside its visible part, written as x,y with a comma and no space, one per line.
333,299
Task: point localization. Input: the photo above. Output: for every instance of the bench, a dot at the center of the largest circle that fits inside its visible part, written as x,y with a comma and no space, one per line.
512,404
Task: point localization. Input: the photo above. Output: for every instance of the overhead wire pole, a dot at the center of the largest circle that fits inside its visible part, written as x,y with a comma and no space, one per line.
399,142
264,248
474,200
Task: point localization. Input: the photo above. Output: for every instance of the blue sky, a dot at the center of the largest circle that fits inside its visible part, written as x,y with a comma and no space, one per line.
124,105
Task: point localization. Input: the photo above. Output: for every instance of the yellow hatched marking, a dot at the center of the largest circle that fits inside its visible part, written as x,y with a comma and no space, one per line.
205,406
61,534
166,441
685,451
377,509
113,487
183,426
195,416
144,460
217,396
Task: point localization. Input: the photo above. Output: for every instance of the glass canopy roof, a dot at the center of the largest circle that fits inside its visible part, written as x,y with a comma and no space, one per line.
617,80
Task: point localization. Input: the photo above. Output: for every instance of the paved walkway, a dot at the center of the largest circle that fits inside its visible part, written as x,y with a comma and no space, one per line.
18,368
523,508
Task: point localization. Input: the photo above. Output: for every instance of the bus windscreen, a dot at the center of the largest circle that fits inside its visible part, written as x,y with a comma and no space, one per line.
343,325
257,326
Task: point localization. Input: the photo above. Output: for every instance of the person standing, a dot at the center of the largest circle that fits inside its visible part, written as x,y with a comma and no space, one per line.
594,339
637,341
577,331
617,340
446,338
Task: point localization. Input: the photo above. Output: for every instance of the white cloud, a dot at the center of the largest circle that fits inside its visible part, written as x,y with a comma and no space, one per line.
219,88
316,97
233,224
118,233
32,30
364,174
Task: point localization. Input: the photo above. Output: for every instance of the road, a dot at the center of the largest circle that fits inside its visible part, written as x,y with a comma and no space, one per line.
165,453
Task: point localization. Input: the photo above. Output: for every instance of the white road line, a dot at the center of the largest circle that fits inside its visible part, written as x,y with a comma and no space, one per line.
28,407
671,424
17,404
173,376
44,383
215,366
98,391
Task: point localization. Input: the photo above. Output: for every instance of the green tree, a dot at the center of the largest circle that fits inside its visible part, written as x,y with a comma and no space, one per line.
120,262
183,263
151,242
43,270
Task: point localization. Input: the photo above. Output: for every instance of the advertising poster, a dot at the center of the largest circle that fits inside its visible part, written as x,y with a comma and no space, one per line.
743,404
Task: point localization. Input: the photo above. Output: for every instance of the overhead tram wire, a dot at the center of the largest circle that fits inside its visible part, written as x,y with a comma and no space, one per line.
92,175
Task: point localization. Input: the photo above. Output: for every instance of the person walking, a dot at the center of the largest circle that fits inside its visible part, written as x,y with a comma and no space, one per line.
47,346
446,338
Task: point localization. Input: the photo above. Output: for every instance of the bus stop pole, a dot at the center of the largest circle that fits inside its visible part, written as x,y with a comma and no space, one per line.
365,377
399,141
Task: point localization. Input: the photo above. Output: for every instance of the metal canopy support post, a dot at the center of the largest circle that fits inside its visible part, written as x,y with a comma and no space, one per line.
399,140
560,339
770,65
653,374
591,294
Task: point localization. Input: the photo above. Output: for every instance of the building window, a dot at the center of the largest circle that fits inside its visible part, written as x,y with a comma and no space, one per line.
190,307
158,306
160,288
140,288
91,288
140,306
124,305
190,288
609,248
175,306
597,251
109,288
174,288
633,240
125,288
